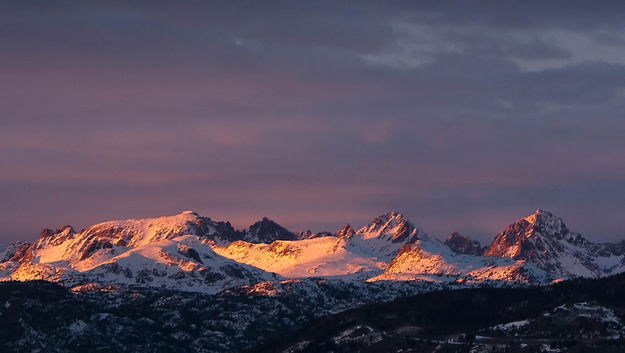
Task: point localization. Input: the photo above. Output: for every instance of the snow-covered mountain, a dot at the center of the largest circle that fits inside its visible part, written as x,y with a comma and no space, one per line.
425,258
194,253
543,239
356,255
385,235
317,257
171,252
433,263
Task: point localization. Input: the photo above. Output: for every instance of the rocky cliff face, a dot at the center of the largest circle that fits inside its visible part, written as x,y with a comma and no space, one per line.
345,232
461,244
267,231
392,226
544,240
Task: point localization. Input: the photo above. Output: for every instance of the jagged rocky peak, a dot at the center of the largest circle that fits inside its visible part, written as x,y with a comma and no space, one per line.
15,251
384,223
345,232
309,234
49,237
518,239
464,245
392,223
306,234
544,240
546,223
267,231
64,229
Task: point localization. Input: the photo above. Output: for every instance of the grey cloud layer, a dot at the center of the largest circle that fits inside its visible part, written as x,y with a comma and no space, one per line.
314,114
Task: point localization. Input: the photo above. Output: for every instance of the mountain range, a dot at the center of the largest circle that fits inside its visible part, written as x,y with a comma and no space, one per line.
194,253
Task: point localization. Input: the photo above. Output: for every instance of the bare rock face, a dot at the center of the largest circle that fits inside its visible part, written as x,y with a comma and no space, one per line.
309,234
267,231
20,251
461,244
345,232
525,238
392,226
545,241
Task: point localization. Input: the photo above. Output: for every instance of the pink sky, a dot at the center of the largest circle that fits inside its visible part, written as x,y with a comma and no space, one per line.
311,115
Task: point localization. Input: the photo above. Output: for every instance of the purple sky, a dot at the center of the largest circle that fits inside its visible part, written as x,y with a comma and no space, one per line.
313,114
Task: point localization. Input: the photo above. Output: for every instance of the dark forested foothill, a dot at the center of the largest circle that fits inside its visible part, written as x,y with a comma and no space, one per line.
581,315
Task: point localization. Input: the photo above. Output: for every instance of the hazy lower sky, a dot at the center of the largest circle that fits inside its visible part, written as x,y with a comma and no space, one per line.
462,115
